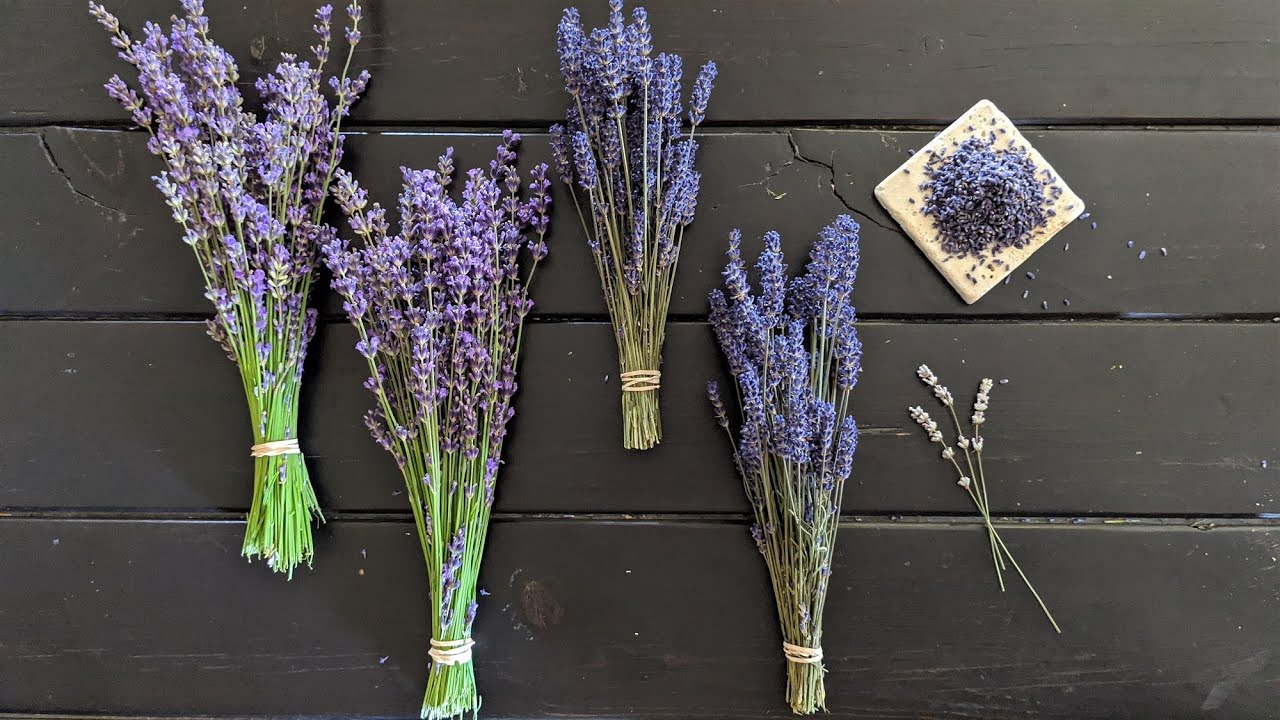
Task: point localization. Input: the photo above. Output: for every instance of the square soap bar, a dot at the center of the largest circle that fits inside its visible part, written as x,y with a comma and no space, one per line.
901,195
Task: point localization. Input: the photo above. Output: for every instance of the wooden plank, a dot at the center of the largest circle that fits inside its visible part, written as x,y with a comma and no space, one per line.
642,619
917,60
82,230
1119,418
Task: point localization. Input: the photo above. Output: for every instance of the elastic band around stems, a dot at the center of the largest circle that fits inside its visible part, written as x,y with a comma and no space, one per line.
276,447
640,380
451,652
801,655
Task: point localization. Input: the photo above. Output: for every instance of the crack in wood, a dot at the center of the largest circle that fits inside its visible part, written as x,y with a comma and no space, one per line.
66,178
835,188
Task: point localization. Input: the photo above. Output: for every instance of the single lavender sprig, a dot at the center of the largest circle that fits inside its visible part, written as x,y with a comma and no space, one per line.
439,311
793,352
249,194
628,159
973,483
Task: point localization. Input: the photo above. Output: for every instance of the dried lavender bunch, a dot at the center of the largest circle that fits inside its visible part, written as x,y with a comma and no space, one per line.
794,354
972,477
249,194
439,309
985,199
624,149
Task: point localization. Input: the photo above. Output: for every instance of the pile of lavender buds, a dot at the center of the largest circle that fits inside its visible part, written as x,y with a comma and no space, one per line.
985,199
795,356
249,195
624,148
439,310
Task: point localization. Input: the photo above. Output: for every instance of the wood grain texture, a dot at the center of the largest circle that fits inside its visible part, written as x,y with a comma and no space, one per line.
82,230
1113,418
916,60
670,621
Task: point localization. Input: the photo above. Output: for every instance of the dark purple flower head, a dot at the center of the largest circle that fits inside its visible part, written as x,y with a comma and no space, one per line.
626,153
794,353
571,43
701,93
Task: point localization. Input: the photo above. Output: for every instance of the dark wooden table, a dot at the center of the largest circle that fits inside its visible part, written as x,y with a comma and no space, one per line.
1127,448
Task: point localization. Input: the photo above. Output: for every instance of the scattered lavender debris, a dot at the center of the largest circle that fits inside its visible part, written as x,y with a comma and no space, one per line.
1044,304
1066,302
1164,251
1264,464
1142,255
1129,244
1004,381
1084,216
1066,247
1025,293
986,199
1031,276
1007,278
383,660
1093,226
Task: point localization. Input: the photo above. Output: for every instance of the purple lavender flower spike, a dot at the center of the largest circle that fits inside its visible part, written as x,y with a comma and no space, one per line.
701,94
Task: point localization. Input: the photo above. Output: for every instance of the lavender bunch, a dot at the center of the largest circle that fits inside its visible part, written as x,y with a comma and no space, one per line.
439,310
972,477
794,354
624,149
249,195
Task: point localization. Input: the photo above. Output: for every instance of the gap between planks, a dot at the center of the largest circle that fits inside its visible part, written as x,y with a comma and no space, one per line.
878,520
536,127
1046,318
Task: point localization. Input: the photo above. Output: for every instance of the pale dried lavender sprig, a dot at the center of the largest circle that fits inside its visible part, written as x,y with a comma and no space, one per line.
973,483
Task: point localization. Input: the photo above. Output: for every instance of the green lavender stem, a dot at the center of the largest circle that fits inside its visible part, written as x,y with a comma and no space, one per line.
451,689
284,502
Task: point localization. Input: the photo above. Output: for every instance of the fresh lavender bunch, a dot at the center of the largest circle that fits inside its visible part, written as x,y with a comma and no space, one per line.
624,149
439,309
794,354
249,194
972,476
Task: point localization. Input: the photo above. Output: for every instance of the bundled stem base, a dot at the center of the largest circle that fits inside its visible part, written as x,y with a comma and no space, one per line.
806,691
641,420
451,691
284,503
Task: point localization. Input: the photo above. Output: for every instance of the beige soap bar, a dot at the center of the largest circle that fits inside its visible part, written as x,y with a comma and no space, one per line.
901,195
